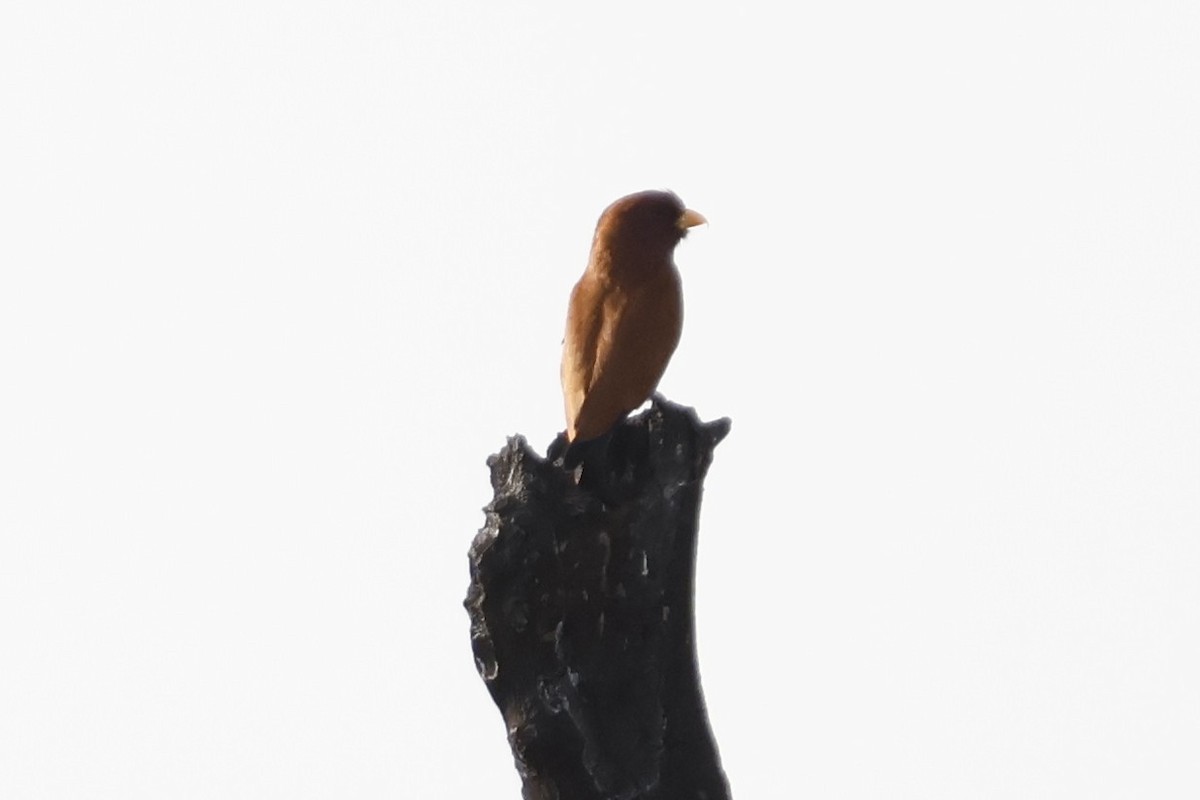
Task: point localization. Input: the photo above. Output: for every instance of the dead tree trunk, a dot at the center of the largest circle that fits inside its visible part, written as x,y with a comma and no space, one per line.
582,615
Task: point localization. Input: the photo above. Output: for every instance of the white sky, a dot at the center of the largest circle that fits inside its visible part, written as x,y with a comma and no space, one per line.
278,277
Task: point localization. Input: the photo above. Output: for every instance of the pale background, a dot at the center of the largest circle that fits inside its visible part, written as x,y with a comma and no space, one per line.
278,277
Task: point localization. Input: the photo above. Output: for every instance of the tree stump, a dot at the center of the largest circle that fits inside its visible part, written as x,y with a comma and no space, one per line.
582,623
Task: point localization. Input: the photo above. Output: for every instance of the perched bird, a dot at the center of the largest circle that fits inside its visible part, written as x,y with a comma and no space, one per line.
626,312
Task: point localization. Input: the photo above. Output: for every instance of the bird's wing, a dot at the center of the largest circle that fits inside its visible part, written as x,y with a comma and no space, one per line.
584,322
629,336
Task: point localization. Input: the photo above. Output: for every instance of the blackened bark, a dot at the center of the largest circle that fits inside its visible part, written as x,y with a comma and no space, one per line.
582,614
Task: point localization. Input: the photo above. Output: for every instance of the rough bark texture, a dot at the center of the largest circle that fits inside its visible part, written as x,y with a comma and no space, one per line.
582,614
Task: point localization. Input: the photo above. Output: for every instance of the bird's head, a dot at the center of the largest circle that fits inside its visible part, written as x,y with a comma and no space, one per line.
644,225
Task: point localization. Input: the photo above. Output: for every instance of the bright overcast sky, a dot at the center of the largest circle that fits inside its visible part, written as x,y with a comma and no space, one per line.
278,277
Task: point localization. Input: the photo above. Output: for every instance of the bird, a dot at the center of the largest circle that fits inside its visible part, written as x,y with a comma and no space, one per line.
625,314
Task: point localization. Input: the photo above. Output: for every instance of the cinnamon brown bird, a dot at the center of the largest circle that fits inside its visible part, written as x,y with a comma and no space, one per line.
626,312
